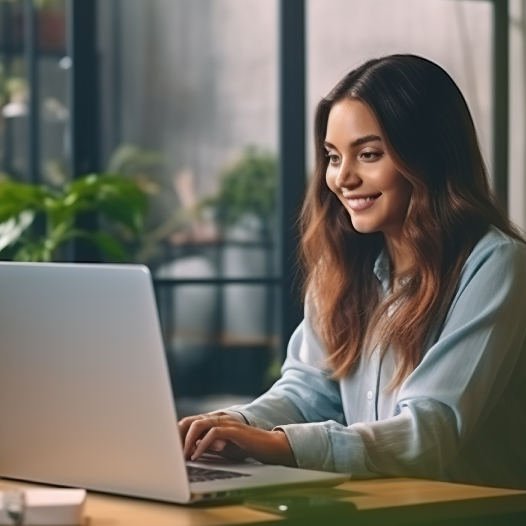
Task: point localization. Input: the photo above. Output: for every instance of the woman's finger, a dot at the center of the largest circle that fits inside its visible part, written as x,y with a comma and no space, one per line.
238,439
269,447
218,445
185,423
213,435
197,429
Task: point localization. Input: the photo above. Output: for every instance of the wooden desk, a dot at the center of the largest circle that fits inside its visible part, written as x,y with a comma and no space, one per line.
381,501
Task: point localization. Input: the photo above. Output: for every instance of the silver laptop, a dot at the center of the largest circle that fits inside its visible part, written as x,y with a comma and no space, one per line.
85,394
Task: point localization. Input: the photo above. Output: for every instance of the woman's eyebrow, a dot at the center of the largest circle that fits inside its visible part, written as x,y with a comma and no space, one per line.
357,142
365,138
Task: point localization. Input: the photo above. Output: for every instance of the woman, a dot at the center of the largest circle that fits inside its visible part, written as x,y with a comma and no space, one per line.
411,359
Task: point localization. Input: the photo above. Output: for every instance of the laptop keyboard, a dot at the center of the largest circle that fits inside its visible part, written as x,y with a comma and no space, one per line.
205,475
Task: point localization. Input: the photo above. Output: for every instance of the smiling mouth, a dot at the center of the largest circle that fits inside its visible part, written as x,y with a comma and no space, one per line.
363,203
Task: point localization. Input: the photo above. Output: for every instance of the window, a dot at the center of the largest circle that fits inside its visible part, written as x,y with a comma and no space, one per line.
208,106
190,111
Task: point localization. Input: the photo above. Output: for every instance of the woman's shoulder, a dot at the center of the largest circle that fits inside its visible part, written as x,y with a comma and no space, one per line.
497,251
497,240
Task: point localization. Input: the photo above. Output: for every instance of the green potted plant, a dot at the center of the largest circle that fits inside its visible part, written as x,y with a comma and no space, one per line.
150,170
247,189
117,199
244,208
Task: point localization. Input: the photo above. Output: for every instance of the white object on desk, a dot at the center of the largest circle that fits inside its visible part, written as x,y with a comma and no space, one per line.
43,507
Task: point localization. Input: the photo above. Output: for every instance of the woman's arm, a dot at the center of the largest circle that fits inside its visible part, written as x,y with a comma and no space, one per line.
305,393
443,403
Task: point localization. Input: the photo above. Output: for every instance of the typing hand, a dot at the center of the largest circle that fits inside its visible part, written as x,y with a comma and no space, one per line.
186,423
225,435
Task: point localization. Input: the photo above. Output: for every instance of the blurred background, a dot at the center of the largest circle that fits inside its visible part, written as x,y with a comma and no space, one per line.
207,106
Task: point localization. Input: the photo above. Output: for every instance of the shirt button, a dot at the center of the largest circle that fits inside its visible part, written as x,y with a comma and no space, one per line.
370,395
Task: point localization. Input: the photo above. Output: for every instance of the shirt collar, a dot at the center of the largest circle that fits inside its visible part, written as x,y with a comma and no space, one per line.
381,269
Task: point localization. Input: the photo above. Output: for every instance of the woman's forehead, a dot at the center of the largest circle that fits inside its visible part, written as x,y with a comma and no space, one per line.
351,120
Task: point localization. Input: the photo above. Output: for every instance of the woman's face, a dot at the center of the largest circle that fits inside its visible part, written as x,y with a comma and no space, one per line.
361,172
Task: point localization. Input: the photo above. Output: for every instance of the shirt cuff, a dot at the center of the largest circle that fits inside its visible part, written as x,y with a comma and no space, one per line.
328,446
240,417
310,445
250,418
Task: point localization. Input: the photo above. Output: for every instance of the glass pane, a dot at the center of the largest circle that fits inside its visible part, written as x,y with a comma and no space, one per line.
52,90
190,112
54,65
517,186
13,91
221,342
214,260
455,34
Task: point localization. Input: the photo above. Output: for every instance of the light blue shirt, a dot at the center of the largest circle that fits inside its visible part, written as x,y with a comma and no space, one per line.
459,416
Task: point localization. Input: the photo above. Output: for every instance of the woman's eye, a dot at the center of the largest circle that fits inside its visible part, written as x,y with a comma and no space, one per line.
370,156
333,158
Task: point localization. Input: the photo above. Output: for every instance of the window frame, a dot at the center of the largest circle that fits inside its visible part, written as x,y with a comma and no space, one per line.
85,130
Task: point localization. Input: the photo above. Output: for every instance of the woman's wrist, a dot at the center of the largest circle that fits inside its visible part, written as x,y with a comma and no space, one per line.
236,415
284,448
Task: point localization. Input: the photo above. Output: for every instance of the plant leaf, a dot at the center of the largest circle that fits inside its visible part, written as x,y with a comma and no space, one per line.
13,228
117,198
108,244
248,186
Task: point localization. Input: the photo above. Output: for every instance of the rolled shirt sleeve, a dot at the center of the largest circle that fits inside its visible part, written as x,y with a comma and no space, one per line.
236,415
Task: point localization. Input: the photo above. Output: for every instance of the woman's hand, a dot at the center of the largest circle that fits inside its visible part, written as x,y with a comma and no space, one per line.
186,423
223,434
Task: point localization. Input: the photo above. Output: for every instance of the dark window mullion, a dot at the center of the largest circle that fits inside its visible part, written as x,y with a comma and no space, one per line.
31,64
84,104
8,56
292,156
501,49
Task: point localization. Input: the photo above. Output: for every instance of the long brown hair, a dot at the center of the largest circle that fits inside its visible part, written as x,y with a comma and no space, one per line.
431,137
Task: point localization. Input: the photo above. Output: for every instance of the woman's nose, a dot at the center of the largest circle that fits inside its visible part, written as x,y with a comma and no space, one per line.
348,177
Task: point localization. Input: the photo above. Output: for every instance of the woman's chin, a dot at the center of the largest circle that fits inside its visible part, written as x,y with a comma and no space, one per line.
364,229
